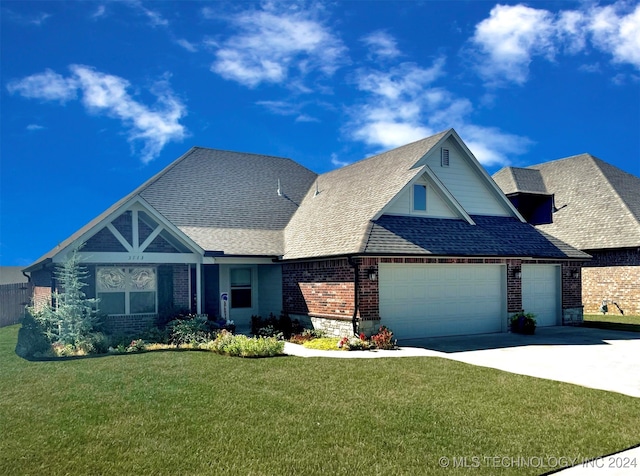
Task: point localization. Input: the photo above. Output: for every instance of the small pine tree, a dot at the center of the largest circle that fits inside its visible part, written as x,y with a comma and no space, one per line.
71,317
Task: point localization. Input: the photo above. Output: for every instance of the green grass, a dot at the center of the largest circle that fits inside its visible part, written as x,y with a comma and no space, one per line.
613,322
180,412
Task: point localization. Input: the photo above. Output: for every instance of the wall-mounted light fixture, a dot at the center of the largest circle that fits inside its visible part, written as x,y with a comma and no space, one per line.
575,274
517,273
372,275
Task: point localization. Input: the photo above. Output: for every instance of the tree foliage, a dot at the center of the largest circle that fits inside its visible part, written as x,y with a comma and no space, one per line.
71,317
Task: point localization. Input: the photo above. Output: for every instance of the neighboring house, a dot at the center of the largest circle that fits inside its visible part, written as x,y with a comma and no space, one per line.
597,210
419,239
12,275
15,293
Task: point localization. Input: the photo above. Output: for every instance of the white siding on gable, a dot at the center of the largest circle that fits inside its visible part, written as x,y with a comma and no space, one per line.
436,206
464,182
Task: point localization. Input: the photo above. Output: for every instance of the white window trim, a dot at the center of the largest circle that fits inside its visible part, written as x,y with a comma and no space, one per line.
127,291
426,201
250,287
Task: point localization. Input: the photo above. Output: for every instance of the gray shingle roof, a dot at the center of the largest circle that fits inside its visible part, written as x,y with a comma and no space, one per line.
516,179
227,202
219,189
223,201
598,204
337,220
490,236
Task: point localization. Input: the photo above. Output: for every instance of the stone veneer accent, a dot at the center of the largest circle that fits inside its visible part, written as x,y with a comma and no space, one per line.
572,316
322,292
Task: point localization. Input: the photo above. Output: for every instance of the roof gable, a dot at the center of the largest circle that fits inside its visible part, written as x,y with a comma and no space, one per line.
466,180
156,231
336,220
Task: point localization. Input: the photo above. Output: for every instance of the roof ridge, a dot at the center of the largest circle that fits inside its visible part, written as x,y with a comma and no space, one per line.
598,163
243,153
360,161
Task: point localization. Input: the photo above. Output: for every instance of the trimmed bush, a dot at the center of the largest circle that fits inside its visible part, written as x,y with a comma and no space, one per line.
323,343
243,346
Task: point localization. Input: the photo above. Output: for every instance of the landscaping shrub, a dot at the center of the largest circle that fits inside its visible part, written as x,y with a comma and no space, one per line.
306,335
188,331
323,343
32,341
281,327
522,323
243,346
384,339
355,343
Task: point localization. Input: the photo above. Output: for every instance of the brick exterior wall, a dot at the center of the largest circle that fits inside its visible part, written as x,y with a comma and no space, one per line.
614,283
132,326
319,288
181,284
42,281
613,275
324,290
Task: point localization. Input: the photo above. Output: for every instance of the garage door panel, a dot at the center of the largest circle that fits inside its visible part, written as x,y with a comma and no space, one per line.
541,293
444,299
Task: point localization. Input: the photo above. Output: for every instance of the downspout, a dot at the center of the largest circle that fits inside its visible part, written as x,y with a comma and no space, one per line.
356,300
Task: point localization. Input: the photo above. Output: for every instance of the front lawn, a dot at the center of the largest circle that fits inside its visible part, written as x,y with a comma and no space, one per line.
189,412
614,322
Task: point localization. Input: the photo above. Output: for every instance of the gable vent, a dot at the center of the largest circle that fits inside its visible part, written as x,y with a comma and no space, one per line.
444,157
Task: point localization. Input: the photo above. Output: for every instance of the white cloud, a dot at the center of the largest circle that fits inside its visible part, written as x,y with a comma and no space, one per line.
506,43
37,18
187,45
382,44
34,127
49,86
107,94
617,33
154,17
306,118
510,37
337,162
273,47
100,12
404,105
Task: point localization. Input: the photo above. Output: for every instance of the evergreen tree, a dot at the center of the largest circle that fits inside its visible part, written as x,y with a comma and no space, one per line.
71,317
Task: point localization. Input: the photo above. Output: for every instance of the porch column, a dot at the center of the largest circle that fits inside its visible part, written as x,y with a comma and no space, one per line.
198,288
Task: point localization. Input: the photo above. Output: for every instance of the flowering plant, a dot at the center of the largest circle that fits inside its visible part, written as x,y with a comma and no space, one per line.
384,339
354,343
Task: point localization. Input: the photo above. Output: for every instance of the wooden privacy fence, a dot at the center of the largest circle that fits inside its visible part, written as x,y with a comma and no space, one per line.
13,299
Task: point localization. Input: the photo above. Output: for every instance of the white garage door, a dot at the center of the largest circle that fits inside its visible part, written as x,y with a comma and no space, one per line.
541,292
421,300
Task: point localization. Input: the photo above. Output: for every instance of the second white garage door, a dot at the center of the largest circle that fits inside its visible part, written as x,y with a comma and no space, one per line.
422,300
541,292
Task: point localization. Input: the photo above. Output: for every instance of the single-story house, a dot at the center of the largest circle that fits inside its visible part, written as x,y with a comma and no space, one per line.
419,239
597,210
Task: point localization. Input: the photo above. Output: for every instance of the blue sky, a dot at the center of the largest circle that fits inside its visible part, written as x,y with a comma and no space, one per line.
97,97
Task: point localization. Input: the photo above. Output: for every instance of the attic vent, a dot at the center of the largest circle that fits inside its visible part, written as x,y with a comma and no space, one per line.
444,156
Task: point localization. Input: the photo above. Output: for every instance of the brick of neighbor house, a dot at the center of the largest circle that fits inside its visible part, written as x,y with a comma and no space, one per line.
613,276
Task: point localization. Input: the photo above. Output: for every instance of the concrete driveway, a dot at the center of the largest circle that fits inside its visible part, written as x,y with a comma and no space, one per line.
594,358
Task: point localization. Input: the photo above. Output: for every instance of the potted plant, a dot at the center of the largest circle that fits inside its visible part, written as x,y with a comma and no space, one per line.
523,323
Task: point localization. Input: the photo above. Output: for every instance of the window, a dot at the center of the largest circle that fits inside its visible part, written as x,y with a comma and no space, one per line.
419,198
240,288
127,290
444,155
